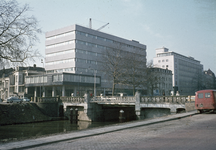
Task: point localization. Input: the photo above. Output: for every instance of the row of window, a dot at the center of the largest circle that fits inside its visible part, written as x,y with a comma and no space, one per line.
73,60
60,44
80,70
72,51
163,60
40,79
90,44
74,78
60,53
93,36
60,35
167,66
163,54
207,95
60,61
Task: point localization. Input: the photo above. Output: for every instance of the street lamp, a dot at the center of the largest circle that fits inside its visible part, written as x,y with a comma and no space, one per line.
95,72
95,92
79,82
43,94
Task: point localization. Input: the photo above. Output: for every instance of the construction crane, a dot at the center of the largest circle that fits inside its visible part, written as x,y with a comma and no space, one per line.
102,27
90,25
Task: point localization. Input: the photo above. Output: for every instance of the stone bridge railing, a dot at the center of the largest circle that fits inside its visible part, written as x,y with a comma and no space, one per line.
46,99
60,99
73,99
106,100
163,99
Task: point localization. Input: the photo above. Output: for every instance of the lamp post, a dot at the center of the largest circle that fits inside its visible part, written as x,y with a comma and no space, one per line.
95,72
95,92
78,83
43,94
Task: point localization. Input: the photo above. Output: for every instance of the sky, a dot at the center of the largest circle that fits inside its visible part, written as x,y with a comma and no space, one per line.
187,27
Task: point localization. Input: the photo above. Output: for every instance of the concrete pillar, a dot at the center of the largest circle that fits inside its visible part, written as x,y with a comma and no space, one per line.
137,106
35,92
26,90
63,90
75,91
104,92
44,93
53,92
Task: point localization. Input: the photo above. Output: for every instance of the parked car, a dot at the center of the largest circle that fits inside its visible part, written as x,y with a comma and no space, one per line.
25,99
13,99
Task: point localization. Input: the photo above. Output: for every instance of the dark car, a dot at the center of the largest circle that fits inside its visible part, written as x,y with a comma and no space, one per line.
13,100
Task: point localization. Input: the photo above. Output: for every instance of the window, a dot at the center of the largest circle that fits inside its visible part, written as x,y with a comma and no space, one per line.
207,95
200,95
57,78
162,60
159,61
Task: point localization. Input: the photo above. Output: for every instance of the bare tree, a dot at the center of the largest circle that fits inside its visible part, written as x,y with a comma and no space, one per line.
112,65
135,65
18,33
151,77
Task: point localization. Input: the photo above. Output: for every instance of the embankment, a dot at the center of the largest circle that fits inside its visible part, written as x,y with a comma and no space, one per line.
21,113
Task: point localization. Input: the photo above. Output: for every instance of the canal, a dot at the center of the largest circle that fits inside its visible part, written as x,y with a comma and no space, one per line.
34,130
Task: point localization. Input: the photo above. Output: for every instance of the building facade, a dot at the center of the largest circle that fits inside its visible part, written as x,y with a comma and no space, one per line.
209,80
159,81
187,72
12,81
78,50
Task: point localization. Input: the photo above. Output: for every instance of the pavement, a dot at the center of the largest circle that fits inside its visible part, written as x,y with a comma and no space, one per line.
31,143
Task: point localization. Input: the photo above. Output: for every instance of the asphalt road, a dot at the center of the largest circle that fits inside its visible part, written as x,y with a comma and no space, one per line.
197,132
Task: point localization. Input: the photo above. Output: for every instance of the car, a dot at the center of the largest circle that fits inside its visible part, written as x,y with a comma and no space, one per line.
13,99
25,99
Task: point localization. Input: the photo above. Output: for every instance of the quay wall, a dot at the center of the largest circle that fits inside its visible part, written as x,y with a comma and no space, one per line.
18,113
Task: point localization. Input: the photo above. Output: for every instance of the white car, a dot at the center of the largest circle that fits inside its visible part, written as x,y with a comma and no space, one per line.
13,99
25,99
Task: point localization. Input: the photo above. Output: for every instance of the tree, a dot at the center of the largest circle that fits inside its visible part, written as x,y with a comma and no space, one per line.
112,65
18,33
135,65
152,78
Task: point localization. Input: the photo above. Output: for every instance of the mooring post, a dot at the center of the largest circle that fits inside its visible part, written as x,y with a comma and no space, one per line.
121,116
76,115
71,115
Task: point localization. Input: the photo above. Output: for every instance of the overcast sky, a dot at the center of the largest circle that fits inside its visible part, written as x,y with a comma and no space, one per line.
187,27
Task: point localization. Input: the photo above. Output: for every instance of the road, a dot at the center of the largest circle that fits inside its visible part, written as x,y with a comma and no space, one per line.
195,132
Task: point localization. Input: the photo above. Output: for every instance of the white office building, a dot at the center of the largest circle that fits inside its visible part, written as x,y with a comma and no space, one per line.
187,72
76,50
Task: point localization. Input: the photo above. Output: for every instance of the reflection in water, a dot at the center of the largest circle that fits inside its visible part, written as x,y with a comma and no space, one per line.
24,131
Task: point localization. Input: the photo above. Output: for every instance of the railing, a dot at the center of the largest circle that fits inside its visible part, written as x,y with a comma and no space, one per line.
163,99
73,99
113,99
46,99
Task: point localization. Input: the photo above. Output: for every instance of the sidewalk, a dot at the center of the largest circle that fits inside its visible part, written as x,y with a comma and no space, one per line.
90,132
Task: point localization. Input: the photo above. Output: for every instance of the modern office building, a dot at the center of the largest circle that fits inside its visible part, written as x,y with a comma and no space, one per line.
187,72
73,56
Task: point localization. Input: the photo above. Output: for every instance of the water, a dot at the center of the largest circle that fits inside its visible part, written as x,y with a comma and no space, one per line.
33,130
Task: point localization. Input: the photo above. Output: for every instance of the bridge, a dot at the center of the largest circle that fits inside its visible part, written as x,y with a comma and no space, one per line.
107,108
